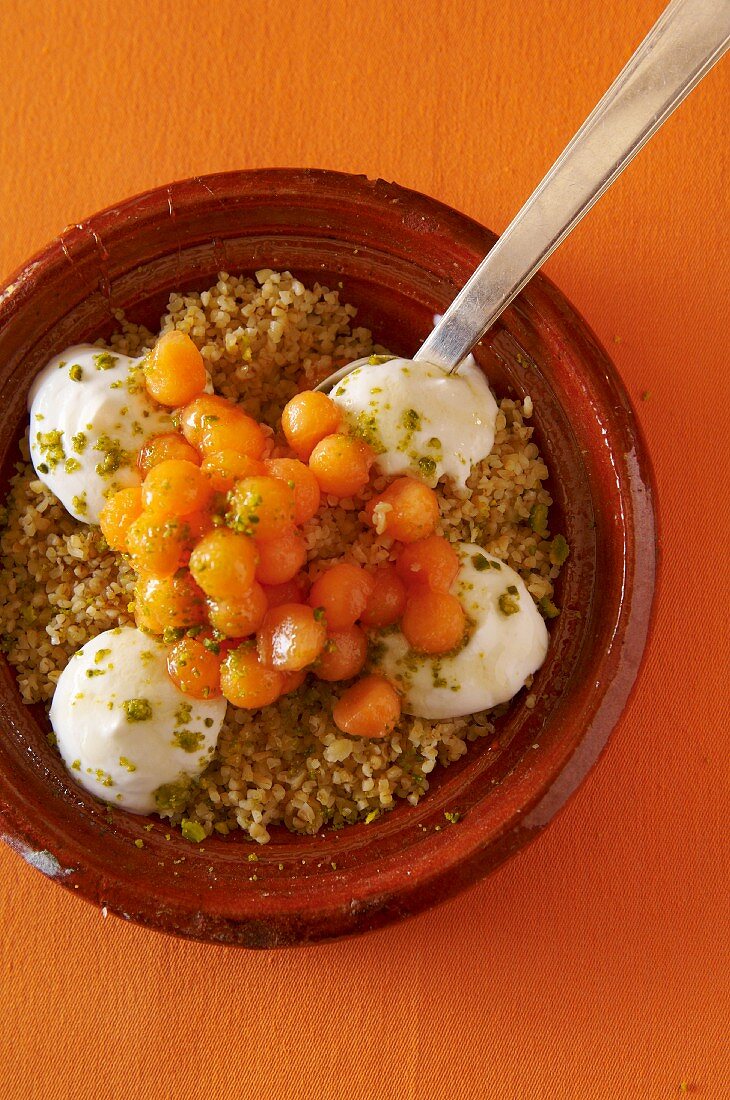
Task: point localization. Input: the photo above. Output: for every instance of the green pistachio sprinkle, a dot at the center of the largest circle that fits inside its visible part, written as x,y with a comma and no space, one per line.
559,550
192,831
78,503
547,608
51,447
183,714
187,740
72,465
78,442
75,372
105,360
509,601
124,763
172,796
480,562
114,456
538,518
137,710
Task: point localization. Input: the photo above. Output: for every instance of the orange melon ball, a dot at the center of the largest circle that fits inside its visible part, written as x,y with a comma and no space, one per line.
240,616
280,559
175,488
160,448
301,479
174,371
433,622
341,465
118,515
387,601
201,411
407,510
262,507
161,602
231,429
225,468
194,669
292,591
224,563
342,591
291,637
307,419
431,562
370,708
343,656
246,683
155,545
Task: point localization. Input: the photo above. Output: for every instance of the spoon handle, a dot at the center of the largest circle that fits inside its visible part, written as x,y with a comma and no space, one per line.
685,42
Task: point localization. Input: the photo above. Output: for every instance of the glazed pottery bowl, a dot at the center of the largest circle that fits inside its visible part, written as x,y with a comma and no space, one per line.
399,257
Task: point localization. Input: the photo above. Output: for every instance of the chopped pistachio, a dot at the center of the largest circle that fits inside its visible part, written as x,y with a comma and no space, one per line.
187,740
538,518
559,550
509,602
51,447
183,713
114,455
137,710
75,372
173,796
105,360
192,831
548,610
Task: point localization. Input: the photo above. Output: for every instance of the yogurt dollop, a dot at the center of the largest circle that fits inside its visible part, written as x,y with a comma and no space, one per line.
418,419
508,642
89,415
122,727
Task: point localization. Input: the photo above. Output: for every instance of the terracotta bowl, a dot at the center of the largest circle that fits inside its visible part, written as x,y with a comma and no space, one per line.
399,257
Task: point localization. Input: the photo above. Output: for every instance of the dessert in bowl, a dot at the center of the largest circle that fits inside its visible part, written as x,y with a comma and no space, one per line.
355,823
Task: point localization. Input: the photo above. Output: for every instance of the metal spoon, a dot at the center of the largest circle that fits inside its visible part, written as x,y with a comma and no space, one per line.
683,45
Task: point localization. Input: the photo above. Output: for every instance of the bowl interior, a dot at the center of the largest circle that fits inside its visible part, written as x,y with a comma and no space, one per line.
399,258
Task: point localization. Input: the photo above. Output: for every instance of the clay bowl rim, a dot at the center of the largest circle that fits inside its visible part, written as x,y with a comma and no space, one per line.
455,857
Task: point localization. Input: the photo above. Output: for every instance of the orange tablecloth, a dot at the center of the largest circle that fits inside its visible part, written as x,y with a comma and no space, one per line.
594,964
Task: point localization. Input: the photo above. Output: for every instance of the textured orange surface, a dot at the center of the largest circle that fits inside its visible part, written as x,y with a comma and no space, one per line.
595,964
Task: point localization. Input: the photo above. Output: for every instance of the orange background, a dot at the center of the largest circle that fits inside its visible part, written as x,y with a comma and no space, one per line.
595,963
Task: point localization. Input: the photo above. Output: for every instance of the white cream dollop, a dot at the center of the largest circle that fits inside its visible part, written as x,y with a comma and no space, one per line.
418,419
123,728
501,652
89,415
